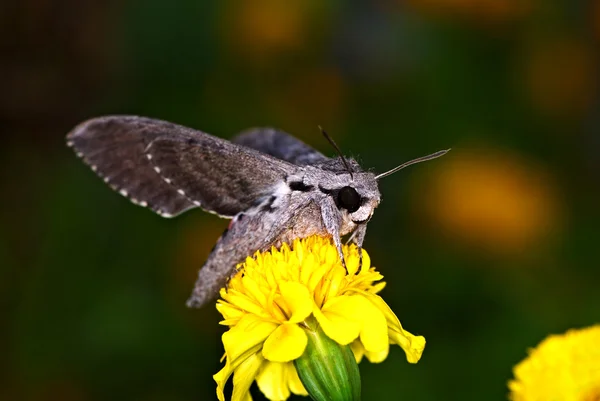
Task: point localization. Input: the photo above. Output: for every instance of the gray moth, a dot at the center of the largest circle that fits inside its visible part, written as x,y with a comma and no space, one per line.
272,186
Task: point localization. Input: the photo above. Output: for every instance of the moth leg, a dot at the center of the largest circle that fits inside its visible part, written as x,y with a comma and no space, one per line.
352,236
331,219
358,236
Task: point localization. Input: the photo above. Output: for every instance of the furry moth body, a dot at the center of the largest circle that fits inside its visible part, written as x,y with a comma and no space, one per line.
272,186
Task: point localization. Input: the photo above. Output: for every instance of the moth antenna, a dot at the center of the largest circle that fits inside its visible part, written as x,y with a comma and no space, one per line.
337,149
414,161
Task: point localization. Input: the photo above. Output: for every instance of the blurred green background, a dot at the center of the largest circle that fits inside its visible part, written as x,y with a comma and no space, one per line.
485,251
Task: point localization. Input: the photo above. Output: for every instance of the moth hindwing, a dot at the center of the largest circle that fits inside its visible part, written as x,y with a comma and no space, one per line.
272,186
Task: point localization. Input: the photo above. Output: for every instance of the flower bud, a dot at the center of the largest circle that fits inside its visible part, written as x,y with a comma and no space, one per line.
327,369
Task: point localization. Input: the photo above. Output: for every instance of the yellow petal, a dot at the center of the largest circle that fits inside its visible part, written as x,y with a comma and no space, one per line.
285,344
374,331
318,281
335,323
244,376
253,290
337,279
331,256
221,378
231,314
294,382
243,302
352,263
358,350
376,288
376,357
390,316
297,299
246,338
366,261
412,345
272,381
311,272
357,312
273,308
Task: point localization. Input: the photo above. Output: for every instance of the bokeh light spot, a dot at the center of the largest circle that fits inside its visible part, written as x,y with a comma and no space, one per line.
263,28
492,200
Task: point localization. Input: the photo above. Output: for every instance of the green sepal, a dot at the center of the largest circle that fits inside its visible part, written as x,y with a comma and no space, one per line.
328,370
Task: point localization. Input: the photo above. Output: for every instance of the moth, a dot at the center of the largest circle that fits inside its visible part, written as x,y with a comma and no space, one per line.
272,186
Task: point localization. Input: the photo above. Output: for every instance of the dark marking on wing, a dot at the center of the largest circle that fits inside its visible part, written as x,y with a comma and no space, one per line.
300,186
326,191
267,207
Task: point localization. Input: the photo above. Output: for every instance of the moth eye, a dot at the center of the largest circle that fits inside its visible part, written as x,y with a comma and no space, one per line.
349,199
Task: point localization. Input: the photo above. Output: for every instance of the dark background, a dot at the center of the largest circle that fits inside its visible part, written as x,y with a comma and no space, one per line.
485,251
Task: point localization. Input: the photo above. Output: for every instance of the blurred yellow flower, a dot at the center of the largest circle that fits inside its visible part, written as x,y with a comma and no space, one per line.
268,303
563,367
263,28
295,102
491,200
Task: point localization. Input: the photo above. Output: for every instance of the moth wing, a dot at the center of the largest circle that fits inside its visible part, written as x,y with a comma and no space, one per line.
171,168
281,145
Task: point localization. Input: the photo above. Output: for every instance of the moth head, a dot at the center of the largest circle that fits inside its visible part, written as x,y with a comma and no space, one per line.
359,196
356,196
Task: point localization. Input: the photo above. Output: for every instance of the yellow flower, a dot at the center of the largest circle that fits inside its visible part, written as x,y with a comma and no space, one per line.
269,304
563,367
